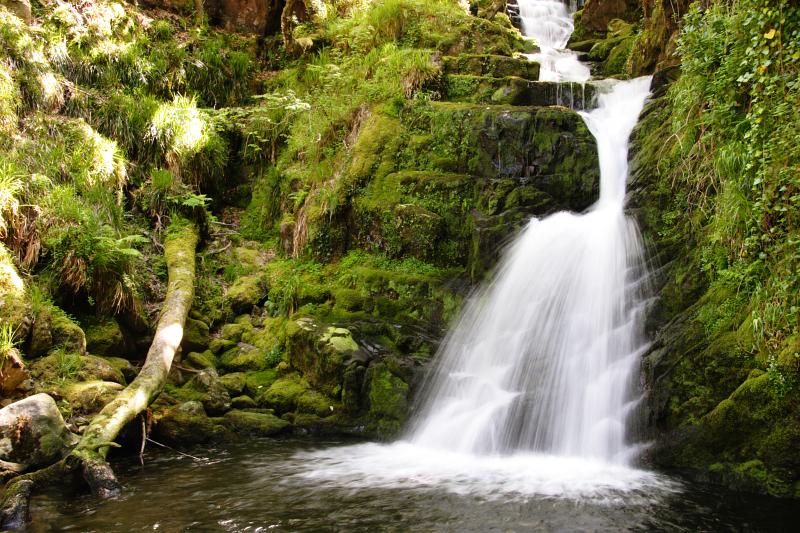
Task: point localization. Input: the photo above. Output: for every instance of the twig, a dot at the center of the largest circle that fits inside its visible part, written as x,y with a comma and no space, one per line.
173,449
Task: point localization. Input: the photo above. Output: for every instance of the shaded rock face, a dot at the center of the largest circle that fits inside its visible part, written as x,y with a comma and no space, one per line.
32,432
247,16
598,13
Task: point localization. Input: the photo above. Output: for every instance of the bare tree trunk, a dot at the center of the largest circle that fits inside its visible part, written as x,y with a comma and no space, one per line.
98,438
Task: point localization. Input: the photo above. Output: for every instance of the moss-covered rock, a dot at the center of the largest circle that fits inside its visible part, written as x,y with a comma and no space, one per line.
14,307
260,424
196,336
187,424
388,400
201,360
89,397
257,383
245,293
493,66
243,358
105,337
33,433
243,402
63,365
52,328
293,393
321,352
234,383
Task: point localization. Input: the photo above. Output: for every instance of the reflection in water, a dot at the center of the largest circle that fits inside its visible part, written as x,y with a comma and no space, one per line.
265,485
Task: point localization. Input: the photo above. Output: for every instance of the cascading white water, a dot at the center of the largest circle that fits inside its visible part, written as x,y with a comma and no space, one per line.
543,358
533,387
550,23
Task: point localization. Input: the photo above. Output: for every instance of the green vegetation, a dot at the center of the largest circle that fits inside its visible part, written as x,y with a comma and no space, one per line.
721,152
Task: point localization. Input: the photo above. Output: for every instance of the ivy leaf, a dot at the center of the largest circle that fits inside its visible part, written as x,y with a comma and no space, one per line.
770,34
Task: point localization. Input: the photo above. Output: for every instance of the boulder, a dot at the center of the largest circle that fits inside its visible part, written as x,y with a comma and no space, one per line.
89,397
21,8
12,371
188,424
261,424
105,337
214,395
53,328
196,336
33,433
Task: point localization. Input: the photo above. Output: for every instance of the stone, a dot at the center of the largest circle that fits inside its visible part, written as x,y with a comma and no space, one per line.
215,397
86,368
387,395
89,397
12,371
53,328
245,293
201,360
105,337
21,8
234,383
196,336
260,424
33,433
243,402
188,424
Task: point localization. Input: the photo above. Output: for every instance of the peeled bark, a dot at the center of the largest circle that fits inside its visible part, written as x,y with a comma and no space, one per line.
90,453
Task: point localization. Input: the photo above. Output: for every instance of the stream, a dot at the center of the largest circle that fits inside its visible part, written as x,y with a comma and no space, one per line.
263,485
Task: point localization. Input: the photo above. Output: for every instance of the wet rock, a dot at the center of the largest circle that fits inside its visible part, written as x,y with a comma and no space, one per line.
388,400
33,433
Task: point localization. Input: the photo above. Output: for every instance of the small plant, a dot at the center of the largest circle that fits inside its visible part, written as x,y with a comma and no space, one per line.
67,364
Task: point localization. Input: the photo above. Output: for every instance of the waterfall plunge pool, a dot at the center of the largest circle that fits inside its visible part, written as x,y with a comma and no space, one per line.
294,485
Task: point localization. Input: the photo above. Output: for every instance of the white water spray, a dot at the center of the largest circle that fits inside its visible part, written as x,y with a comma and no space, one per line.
550,23
543,359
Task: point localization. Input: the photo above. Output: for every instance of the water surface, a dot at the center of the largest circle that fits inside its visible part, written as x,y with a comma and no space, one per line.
268,485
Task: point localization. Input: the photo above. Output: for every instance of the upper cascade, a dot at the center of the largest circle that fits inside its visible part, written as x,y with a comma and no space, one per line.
550,23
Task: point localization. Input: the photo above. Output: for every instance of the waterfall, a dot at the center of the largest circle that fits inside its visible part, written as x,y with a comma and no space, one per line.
550,23
545,357
532,389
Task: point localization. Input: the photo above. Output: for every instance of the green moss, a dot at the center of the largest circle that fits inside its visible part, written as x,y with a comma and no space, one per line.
388,400
261,424
257,383
201,360
104,337
234,383
187,424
